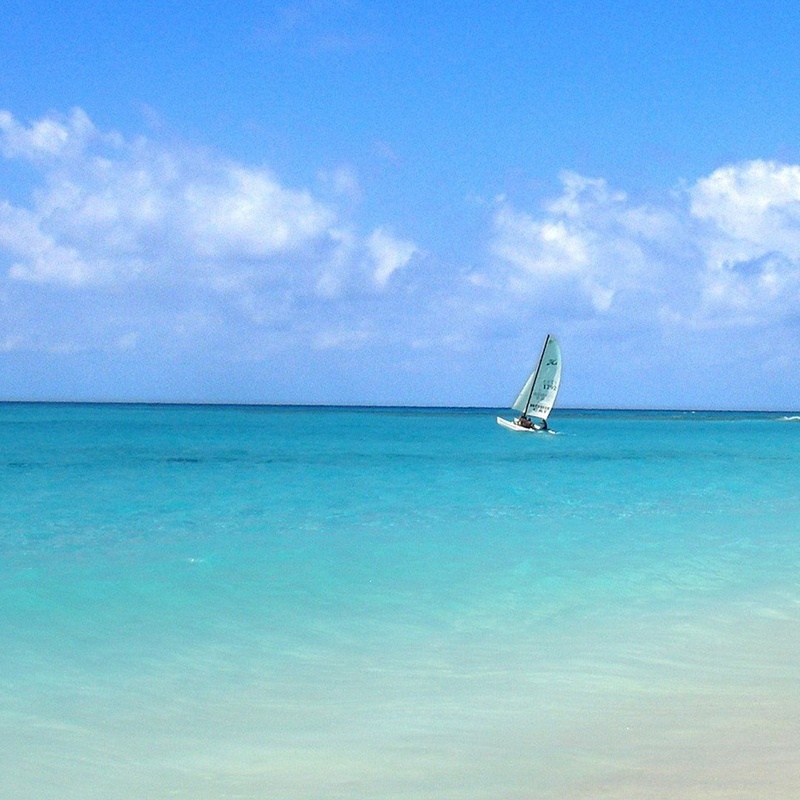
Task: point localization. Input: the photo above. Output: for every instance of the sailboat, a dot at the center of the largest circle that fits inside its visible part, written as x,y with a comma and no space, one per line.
538,396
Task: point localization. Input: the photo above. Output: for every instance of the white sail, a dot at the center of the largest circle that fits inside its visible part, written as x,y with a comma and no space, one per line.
538,395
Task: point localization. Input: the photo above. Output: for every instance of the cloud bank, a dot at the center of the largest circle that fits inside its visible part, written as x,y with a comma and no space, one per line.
156,251
724,251
125,244
113,212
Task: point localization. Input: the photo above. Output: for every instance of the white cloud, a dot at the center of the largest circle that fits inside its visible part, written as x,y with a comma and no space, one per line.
388,254
757,203
581,194
249,214
9,344
343,182
111,211
40,256
333,273
49,137
723,251
589,242
750,240
544,248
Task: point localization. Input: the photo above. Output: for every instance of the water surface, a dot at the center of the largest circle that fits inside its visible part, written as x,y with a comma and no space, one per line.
207,601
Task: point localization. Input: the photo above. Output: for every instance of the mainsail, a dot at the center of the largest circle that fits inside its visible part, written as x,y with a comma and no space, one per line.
538,395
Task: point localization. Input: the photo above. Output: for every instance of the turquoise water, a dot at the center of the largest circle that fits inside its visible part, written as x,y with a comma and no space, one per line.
257,602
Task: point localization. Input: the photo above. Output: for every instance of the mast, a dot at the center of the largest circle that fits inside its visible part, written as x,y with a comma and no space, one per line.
536,375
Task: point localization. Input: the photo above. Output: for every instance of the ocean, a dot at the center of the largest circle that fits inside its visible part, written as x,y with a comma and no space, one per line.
311,603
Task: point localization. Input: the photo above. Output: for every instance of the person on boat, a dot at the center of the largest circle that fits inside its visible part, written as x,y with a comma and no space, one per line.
524,422
542,427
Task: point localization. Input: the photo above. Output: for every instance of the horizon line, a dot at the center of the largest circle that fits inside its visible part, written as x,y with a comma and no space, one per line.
250,404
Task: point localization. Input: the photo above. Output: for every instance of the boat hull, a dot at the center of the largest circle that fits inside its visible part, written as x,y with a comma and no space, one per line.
512,426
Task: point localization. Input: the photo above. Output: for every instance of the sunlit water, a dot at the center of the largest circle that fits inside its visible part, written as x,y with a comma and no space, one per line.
232,602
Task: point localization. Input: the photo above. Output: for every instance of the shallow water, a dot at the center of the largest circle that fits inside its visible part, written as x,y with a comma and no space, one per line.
206,602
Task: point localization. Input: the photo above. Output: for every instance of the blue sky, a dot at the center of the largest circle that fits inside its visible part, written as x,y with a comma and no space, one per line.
359,202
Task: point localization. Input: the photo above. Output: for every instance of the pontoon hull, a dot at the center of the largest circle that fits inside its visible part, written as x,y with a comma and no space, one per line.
512,426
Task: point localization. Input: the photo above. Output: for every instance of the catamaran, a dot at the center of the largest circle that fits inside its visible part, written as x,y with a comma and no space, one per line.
538,396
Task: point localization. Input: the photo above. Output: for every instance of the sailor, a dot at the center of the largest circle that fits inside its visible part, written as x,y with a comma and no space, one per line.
524,422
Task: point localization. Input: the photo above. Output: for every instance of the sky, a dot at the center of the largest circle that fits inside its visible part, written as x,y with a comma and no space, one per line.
342,201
